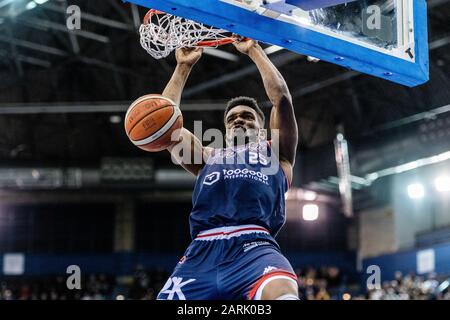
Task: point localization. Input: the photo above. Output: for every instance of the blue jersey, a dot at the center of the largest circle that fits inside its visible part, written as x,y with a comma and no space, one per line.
239,186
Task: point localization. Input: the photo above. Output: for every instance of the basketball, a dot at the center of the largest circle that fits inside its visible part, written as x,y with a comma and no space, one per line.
150,122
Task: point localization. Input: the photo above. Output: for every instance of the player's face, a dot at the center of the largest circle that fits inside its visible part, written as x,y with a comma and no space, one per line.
242,122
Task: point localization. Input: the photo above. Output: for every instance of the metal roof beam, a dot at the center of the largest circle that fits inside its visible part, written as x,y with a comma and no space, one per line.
42,24
93,18
33,46
114,107
278,61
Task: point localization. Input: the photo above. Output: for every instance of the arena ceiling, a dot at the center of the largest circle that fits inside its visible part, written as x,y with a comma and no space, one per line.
60,90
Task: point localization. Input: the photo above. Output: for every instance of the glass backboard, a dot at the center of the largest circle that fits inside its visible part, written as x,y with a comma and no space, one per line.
383,38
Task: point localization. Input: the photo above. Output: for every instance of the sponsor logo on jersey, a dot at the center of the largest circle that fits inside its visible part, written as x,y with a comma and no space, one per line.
230,174
245,174
212,178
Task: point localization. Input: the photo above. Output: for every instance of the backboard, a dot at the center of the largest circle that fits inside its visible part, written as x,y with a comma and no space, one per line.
383,38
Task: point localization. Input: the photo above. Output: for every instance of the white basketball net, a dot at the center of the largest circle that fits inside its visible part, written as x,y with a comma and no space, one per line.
164,33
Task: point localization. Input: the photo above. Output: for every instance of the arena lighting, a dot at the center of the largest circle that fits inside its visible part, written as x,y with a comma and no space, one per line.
4,3
444,285
272,49
33,4
115,119
312,59
371,177
416,191
346,296
309,195
442,183
310,212
299,194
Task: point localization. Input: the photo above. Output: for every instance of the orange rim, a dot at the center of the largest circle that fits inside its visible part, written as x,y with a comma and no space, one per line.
150,13
221,42
216,43
206,43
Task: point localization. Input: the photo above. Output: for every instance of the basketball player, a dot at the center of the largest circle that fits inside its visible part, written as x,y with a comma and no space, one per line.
237,210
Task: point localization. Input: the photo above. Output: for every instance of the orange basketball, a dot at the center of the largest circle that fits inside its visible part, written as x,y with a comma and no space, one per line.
150,122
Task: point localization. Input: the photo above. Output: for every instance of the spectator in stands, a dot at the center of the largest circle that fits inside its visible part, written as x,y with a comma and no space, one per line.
314,284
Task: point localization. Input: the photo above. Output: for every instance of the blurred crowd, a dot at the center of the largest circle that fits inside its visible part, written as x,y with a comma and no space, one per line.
143,285
94,287
326,283
412,287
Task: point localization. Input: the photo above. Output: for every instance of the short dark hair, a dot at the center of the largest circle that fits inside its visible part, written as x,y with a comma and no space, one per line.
244,101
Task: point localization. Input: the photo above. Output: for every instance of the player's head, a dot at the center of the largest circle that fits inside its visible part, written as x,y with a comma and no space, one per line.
243,119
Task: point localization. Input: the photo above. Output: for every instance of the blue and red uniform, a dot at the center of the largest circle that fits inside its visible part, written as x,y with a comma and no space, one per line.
238,209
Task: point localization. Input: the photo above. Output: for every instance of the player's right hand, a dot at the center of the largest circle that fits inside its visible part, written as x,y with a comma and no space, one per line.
245,45
188,56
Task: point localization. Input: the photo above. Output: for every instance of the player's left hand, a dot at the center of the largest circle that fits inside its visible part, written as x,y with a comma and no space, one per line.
188,56
244,45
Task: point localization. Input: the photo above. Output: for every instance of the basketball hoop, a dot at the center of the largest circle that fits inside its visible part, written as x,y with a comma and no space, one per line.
161,33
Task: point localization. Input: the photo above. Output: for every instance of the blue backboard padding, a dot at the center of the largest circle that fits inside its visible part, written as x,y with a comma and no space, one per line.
315,4
308,42
406,262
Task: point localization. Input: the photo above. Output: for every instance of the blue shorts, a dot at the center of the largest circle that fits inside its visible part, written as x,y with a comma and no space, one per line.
228,263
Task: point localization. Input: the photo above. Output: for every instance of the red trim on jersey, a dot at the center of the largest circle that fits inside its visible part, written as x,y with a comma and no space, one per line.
260,281
231,232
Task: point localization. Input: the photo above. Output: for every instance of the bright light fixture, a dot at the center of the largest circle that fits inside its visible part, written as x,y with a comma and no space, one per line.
309,195
416,191
31,5
272,49
310,212
442,183
34,3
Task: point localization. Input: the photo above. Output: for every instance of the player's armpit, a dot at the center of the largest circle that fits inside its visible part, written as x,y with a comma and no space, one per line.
285,164
189,152
288,171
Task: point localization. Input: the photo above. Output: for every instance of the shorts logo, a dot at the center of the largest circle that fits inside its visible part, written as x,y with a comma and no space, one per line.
212,178
251,245
176,284
269,269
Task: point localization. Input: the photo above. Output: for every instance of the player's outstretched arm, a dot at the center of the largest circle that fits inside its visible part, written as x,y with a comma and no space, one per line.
186,59
282,116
